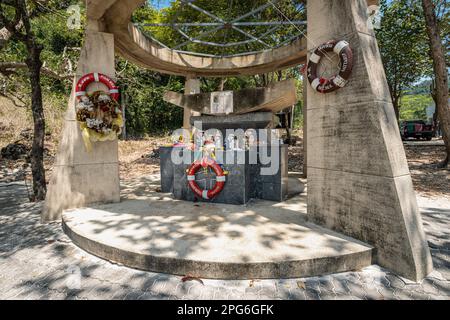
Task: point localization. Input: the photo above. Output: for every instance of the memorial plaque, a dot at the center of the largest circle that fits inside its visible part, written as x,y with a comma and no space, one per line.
222,102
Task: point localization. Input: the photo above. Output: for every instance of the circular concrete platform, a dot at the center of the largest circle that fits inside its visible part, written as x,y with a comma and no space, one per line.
260,240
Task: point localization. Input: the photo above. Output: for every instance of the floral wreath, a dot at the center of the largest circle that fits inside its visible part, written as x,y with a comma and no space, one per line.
99,115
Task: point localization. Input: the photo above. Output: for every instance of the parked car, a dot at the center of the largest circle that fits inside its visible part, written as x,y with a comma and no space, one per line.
417,129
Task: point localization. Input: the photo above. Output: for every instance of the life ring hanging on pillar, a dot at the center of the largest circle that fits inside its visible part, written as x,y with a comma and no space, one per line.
220,179
323,85
86,80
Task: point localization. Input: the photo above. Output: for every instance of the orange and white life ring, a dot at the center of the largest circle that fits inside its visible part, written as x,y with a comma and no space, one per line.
220,179
323,85
86,80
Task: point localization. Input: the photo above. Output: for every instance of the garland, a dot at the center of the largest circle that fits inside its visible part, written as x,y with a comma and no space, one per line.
100,118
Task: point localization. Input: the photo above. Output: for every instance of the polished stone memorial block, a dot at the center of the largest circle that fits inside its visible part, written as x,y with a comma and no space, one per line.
244,179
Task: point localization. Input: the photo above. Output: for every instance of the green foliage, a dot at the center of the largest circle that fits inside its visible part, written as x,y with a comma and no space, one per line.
403,44
50,28
442,9
298,111
422,87
142,92
414,107
226,10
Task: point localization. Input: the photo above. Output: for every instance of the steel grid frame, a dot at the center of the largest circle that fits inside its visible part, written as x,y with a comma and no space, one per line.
235,24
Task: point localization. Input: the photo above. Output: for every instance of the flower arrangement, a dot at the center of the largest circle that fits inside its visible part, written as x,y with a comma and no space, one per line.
100,118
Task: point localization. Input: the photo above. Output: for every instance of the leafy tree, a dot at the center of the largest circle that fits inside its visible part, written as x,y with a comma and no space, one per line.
31,31
414,107
440,71
403,46
143,90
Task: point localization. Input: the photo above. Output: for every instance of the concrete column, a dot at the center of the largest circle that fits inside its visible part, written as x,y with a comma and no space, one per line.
79,177
358,177
192,86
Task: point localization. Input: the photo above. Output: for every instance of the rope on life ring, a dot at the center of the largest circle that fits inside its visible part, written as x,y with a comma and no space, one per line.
323,85
220,178
86,80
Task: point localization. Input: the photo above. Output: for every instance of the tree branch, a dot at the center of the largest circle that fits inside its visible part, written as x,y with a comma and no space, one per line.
11,28
11,67
14,99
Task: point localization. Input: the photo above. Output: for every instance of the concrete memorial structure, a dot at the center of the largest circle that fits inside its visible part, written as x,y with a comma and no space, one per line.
358,179
276,97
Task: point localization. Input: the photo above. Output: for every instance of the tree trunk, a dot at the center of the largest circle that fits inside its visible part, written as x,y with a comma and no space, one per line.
280,75
440,70
222,83
436,111
33,62
305,127
395,102
37,154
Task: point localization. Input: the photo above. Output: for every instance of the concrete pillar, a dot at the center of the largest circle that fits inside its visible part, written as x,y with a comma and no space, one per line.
359,183
192,86
79,177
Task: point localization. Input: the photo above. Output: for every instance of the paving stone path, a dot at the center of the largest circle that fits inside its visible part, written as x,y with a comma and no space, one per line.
37,261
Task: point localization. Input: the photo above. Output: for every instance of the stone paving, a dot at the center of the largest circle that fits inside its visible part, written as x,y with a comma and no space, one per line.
37,261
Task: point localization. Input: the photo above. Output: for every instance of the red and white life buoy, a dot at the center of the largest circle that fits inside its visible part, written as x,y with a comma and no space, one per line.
323,85
220,179
86,80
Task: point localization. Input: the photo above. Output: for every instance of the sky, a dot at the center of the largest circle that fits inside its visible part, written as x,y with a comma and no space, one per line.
159,4
165,3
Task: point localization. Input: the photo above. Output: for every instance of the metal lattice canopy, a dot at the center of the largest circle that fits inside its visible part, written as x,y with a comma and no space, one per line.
224,28
205,37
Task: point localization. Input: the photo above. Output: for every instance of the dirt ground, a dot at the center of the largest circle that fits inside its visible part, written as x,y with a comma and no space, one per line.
428,180
140,157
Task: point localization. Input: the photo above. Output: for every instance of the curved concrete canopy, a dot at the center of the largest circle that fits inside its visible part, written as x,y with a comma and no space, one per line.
114,17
